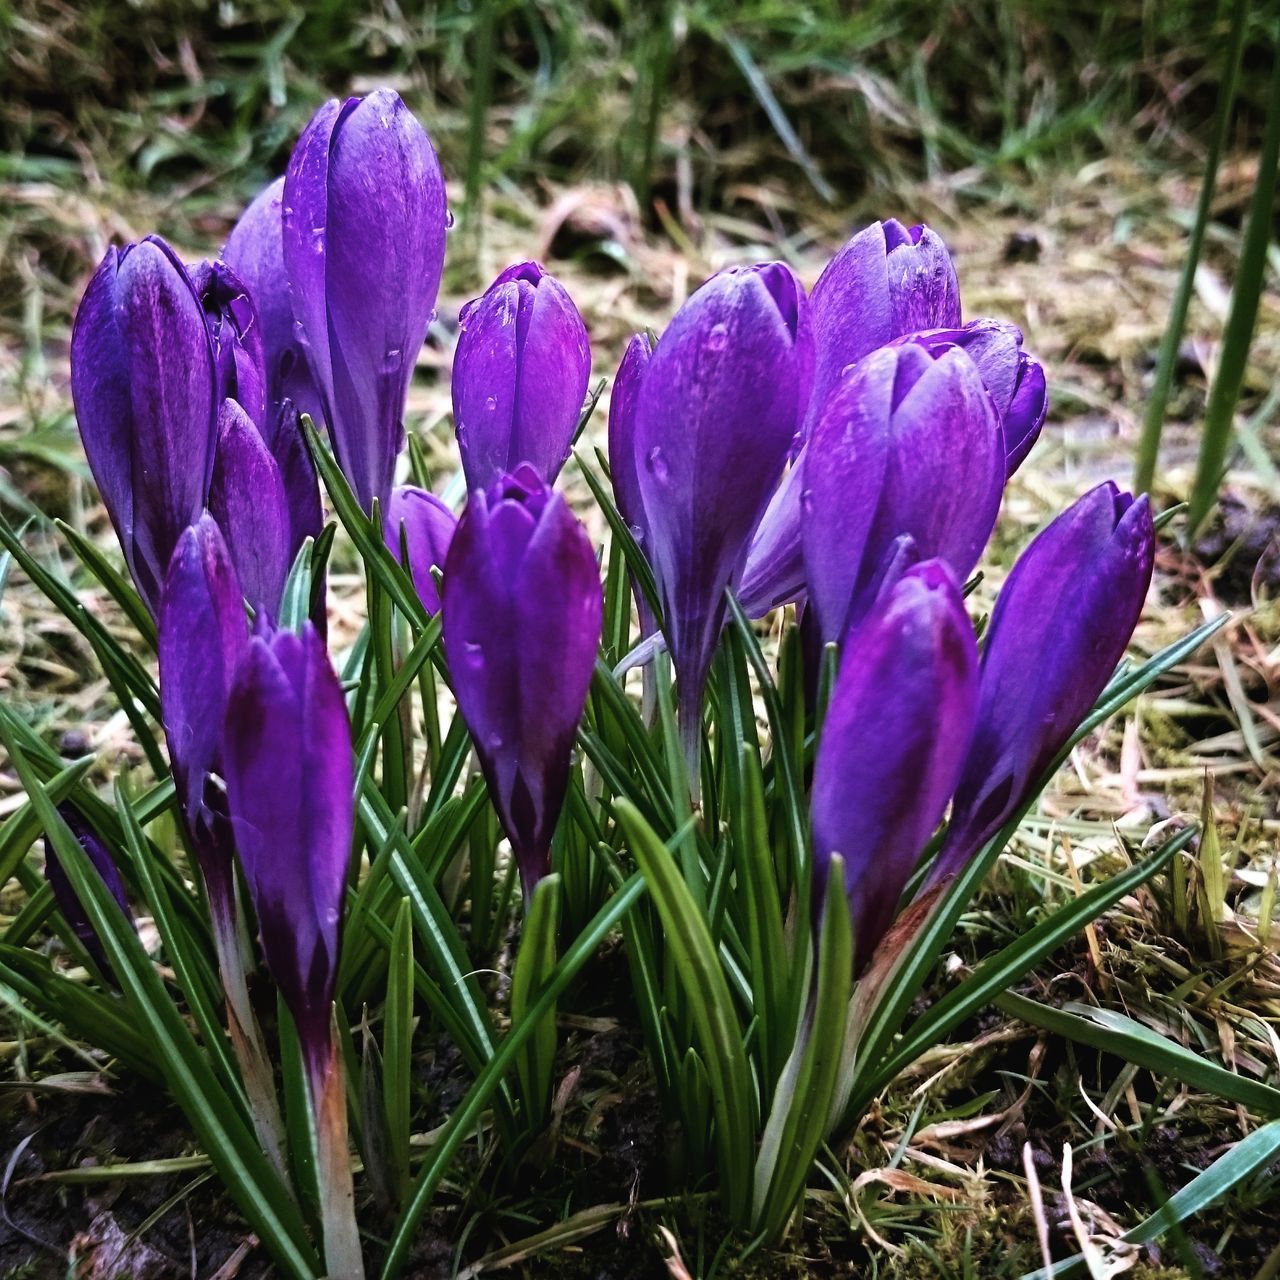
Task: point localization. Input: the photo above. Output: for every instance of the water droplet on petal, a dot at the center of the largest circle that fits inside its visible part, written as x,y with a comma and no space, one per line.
448,219
392,359
718,338
473,655
490,403
657,465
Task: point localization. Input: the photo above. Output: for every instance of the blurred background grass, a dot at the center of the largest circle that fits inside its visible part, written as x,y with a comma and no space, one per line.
700,104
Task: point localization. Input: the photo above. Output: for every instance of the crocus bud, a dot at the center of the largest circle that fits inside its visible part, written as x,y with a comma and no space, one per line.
283,436
522,616
142,377
247,499
364,232
255,252
1059,628
519,376
203,635
624,465
893,743
887,281
290,776
426,524
65,896
234,330
906,444
1015,379
717,410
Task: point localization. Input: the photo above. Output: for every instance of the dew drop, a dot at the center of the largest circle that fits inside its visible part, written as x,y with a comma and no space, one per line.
718,338
392,359
490,403
657,465
473,654
448,219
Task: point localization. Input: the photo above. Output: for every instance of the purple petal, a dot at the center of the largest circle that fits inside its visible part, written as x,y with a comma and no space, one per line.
716,415
887,281
893,743
65,896
624,463
907,444
384,254
234,329
1059,628
247,499
519,377
143,379
203,635
290,774
427,526
255,252
297,474
522,618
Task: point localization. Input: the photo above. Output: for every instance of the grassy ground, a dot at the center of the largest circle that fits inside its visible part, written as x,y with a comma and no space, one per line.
1075,233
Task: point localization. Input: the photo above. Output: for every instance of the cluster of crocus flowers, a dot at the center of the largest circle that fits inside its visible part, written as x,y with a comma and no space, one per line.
844,452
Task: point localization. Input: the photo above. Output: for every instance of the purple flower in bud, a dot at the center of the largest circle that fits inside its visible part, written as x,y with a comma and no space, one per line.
1059,628
426,525
247,499
887,281
364,231
624,467
522,616
906,444
143,381
893,743
1015,379
255,252
290,774
65,896
519,376
203,637
234,330
717,410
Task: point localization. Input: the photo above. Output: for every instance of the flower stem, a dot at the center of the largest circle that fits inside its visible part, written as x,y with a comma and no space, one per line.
342,1255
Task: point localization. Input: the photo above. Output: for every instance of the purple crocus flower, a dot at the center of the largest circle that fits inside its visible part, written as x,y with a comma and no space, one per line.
886,282
290,774
893,743
519,376
255,252
717,410
364,232
427,526
624,468
203,637
1059,628
65,896
247,498
232,319
522,616
1015,379
908,443
143,381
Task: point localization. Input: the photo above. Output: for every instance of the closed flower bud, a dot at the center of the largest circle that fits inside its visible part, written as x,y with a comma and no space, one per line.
143,381
885,282
234,329
522,617
718,408
65,896
364,234
519,376
290,775
1060,626
893,743
624,466
906,444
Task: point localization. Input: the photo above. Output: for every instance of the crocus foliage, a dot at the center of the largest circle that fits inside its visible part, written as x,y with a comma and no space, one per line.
798,826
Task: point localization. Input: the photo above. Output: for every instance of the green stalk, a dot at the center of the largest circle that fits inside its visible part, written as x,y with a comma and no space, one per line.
480,92
1153,422
1220,414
